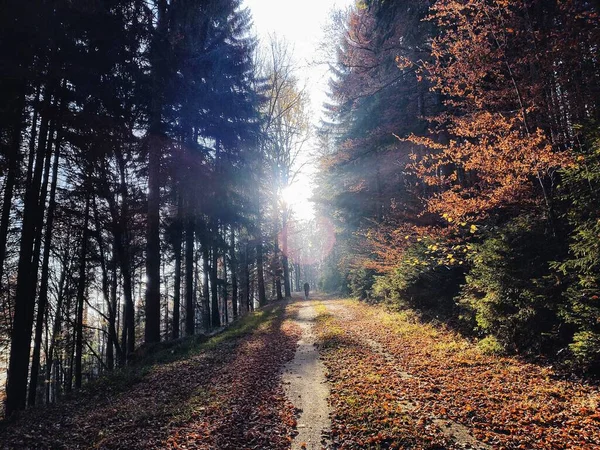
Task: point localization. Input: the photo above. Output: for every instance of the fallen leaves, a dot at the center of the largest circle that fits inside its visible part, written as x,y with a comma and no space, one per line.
227,395
501,402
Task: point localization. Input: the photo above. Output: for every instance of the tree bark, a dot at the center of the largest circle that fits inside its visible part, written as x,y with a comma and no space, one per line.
234,277
57,323
81,293
225,293
205,286
215,314
152,307
177,281
16,388
43,297
262,295
13,169
190,310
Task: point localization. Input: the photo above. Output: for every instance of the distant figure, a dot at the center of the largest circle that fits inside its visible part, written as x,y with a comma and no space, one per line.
306,289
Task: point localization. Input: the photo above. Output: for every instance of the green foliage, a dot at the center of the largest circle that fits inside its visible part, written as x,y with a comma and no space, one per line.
580,192
360,282
489,345
417,284
510,291
333,276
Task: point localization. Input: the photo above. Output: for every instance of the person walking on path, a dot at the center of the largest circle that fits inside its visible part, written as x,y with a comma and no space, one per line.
306,289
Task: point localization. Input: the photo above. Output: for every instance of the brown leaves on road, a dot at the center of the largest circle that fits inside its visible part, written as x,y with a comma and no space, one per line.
225,395
397,383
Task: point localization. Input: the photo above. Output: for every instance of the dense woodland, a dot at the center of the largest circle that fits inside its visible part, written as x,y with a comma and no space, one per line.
144,147
461,164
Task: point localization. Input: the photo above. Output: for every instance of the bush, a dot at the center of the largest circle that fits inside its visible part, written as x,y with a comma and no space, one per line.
581,197
419,284
489,345
510,291
360,282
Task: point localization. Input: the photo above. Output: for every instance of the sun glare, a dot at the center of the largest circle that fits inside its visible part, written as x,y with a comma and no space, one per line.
296,197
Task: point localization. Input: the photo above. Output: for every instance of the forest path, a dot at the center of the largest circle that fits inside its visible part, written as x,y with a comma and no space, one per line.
305,383
374,379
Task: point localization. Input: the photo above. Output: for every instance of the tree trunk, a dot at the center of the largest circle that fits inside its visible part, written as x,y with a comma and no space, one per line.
57,324
205,287
112,340
234,278
152,328
81,292
120,233
16,388
262,295
247,293
190,315
225,296
215,314
177,281
43,297
13,169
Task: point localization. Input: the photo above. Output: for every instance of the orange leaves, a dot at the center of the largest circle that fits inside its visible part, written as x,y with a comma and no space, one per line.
500,401
495,148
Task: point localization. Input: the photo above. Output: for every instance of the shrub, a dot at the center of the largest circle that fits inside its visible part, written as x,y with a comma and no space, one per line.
419,284
360,282
581,196
489,345
510,290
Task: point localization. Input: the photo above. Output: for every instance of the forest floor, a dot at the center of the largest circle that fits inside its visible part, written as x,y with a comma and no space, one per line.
323,373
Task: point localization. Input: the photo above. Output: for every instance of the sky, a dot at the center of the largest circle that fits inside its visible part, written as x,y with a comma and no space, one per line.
301,24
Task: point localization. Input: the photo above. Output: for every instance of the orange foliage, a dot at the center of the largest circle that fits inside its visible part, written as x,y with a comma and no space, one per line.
494,149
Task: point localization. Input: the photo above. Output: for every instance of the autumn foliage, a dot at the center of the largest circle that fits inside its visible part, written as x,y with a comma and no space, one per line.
455,126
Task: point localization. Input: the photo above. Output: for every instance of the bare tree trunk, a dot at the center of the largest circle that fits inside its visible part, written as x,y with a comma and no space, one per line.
225,293
43,297
190,311
16,388
57,323
177,281
81,292
234,277
152,328
262,295
13,168
215,314
284,258
205,287
112,340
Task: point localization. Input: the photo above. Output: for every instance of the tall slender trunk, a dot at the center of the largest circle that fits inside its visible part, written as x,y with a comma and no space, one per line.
177,281
43,297
260,271
234,276
81,292
16,388
190,315
121,236
225,293
284,258
276,255
152,328
247,294
215,314
13,155
112,340
205,285
57,323
297,276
